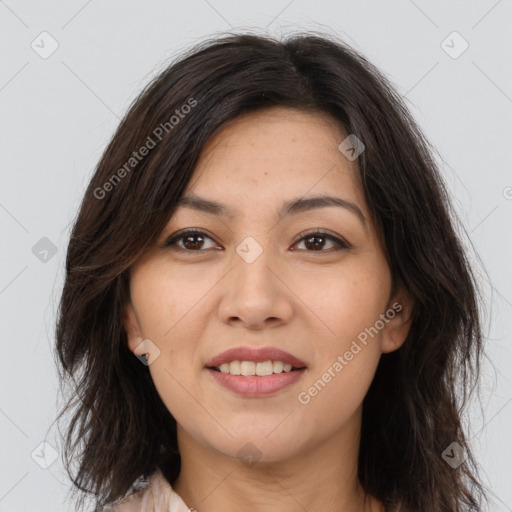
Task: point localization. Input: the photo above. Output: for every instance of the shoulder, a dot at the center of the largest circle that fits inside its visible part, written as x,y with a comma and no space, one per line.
154,494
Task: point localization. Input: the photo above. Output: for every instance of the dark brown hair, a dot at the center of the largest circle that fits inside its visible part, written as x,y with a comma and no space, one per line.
120,428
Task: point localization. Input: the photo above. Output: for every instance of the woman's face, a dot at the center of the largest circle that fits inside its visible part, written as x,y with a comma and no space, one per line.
252,278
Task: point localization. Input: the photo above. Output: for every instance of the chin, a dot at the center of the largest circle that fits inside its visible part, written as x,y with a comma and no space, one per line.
258,447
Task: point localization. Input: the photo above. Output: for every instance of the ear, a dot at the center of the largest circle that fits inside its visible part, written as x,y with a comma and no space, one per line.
133,330
399,320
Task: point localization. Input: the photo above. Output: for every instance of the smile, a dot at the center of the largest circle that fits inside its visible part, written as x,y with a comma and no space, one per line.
253,385
252,368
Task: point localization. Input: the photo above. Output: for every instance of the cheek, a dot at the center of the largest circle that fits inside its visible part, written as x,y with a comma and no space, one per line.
168,311
349,352
165,299
333,397
175,373
346,305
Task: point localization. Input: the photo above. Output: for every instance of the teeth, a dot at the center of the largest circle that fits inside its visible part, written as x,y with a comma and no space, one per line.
233,367
278,366
264,368
249,368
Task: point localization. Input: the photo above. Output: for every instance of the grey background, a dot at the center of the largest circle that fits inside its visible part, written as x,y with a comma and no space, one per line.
58,113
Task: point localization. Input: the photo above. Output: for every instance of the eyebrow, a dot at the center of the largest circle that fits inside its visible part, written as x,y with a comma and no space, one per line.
291,207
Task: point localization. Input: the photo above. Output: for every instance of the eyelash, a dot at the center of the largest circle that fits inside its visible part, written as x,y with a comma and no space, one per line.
171,242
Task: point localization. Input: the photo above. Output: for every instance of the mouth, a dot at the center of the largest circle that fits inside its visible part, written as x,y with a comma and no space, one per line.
255,368
245,378
253,372
247,360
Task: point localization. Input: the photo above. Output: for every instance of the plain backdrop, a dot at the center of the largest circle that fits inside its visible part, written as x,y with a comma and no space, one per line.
450,60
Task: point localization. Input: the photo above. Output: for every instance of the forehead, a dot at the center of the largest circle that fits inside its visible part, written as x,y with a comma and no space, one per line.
277,152
292,124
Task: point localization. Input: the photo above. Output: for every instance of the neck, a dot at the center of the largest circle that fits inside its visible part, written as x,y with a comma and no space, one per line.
322,478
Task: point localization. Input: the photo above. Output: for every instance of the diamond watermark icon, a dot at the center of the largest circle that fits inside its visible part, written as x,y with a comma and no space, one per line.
249,249
352,147
44,45
44,250
454,45
44,455
249,454
454,455
147,352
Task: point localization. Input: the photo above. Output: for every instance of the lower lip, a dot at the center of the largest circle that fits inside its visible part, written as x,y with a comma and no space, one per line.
256,386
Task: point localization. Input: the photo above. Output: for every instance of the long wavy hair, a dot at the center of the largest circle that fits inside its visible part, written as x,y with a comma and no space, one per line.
119,429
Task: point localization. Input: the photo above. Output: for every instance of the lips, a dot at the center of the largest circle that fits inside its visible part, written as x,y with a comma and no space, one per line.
257,355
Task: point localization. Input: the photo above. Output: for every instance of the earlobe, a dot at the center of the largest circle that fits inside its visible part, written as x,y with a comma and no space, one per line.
396,329
133,331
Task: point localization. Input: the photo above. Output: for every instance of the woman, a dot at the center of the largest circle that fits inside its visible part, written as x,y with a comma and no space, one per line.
267,305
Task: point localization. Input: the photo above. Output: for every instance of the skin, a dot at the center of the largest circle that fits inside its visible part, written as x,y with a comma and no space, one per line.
306,298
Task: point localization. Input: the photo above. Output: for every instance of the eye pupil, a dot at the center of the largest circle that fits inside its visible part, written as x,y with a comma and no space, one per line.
309,240
191,236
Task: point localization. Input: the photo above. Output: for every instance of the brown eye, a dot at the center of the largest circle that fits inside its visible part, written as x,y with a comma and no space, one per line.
316,241
192,240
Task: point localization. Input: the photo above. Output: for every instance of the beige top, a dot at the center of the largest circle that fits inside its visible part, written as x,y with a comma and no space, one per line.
157,495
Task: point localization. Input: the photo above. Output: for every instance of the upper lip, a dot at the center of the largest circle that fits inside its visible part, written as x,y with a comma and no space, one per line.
257,355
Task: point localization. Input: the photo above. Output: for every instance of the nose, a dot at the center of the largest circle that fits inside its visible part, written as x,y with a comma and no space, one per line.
255,294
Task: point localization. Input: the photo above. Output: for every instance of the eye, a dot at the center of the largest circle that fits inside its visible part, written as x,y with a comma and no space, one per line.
316,240
193,240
